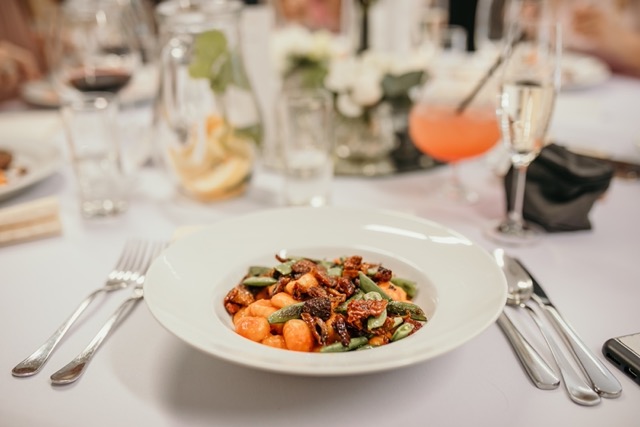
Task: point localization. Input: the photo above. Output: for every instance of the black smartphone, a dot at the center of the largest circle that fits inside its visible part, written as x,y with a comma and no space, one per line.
624,353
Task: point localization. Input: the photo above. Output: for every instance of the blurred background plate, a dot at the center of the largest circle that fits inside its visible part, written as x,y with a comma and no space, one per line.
581,71
39,159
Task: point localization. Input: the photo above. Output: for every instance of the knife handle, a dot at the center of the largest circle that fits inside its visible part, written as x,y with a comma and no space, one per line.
538,370
601,378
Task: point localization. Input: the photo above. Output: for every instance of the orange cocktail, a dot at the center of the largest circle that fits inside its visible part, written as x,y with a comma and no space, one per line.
441,133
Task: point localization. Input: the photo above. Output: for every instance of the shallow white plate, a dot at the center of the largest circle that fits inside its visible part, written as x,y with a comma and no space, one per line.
41,160
581,71
461,288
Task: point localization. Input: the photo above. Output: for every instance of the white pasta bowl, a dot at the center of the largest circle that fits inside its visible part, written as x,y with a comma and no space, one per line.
461,289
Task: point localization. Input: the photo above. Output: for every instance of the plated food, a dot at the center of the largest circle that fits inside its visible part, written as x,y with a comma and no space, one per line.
9,169
24,163
310,305
461,289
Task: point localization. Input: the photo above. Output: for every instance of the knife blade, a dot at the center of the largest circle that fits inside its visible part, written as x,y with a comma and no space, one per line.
602,380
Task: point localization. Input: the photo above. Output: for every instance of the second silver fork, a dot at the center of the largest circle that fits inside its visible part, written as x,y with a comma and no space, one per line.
72,370
123,274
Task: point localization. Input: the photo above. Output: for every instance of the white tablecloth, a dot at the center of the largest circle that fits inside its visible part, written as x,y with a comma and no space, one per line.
146,376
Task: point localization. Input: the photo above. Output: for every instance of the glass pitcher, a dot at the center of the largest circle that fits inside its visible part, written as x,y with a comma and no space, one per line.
208,115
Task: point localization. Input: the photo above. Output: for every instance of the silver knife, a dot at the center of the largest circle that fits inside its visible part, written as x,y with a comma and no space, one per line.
602,380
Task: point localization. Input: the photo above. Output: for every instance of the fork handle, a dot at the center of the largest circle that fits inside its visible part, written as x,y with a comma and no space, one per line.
538,370
72,371
601,378
32,364
579,391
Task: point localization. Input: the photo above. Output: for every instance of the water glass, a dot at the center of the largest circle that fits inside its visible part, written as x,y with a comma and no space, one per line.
91,129
307,147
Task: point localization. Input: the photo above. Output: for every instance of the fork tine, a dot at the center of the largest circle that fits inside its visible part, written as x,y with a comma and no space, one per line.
154,249
130,272
125,256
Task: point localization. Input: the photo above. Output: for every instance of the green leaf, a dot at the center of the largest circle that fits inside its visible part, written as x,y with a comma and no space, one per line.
253,132
397,86
211,59
221,73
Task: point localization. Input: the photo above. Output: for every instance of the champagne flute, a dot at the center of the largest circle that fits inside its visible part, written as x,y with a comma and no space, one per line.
529,84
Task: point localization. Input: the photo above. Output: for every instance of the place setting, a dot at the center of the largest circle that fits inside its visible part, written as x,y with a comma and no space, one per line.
386,204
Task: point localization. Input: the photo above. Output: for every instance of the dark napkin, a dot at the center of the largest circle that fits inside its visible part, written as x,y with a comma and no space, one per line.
561,188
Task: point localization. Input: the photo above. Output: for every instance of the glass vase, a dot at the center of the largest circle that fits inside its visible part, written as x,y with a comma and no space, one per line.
210,123
364,143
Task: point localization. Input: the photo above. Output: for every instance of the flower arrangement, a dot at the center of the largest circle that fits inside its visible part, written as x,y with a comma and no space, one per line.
303,55
364,81
358,81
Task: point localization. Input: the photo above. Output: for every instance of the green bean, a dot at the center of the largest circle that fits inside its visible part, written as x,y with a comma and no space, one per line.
377,321
372,296
403,331
289,312
334,271
259,281
402,308
372,271
397,321
337,347
285,267
368,285
409,286
258,270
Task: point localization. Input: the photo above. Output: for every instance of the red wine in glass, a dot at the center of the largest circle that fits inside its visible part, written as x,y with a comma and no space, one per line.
101,80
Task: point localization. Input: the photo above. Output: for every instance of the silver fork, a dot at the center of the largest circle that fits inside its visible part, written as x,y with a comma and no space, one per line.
123,274
74,369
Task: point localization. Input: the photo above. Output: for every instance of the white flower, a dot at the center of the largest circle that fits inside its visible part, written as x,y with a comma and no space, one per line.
376,61
347,107
294,42
367,89
416,61
342,75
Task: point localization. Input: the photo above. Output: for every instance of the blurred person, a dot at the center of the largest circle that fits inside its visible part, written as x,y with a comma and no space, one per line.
22,55
314,14
608,29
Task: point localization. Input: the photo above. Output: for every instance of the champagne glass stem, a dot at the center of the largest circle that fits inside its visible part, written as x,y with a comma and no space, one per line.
517,203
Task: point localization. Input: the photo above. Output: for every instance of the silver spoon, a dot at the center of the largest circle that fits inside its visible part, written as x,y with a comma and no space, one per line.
538,370
520,291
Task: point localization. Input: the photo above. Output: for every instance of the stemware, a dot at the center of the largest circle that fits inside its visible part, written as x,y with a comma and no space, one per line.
528,87
437,126
96,49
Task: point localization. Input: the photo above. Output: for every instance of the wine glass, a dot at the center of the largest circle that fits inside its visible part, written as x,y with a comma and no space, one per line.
528,87
437,125
96,49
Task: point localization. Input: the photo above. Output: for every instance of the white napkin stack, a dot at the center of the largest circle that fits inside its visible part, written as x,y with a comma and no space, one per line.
29,221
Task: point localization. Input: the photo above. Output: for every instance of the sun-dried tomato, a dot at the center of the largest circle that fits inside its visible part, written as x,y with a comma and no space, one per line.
316,292
317,326
303,266
322,277
382,275
238,297
359,310
340,326
345,286
352,267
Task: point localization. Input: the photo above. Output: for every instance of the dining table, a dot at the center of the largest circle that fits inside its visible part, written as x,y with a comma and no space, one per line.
146,376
